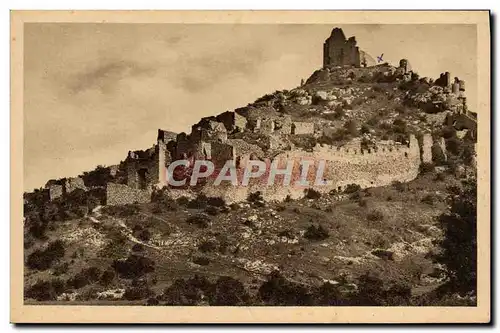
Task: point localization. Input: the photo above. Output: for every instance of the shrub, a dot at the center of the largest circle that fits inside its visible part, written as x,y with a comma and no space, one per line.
200,220
399,126
133,267
144,235
216,202
137,292
429,199
200,202
138,248
440,177
316,233
61,269
207,246
43,259
229,292
352,127
312,194
399,186
182,201
84,277
279,291
352,188
211,210
45,290
255,197
188,292
107,278
362,203
375,215
152,301
202,261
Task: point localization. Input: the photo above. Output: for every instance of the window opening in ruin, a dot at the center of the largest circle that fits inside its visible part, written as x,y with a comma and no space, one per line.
142,178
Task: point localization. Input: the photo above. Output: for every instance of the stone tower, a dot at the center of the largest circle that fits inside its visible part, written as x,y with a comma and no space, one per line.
339,51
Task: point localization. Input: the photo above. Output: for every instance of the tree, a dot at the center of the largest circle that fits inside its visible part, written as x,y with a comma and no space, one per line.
459,244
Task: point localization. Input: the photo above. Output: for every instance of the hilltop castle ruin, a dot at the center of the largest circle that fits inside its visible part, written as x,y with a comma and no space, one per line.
339,51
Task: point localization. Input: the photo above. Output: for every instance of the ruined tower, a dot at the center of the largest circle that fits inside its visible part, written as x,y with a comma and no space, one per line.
339,51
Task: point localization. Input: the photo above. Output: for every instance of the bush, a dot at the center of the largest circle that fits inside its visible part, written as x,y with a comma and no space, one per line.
255,197
375,215
61,269
44,259
45,290
122,211
207,246
278,291
153,301
229,292
316,233
144,235
429,199
440,177
399,126
202,261
188,292
200,220
137,292
352,188
200,202
107,278
399,186
211,210
182,201
84,277
216,202
426,167
138,248
352,127
133,267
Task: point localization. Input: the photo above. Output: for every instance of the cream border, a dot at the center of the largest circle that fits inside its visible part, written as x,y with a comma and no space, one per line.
21,313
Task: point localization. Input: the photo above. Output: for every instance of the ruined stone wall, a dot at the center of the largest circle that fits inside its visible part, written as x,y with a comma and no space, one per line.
222,152
283,125
426,148
55,191
266,126
302,127
118,194
380,167
73,184
232,121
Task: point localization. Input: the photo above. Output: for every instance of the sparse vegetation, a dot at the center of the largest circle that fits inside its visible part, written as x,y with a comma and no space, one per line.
316,233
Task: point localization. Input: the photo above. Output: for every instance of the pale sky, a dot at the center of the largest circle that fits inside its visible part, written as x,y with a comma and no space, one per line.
92,92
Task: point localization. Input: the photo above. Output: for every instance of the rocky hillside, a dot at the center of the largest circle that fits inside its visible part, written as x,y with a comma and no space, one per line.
355,247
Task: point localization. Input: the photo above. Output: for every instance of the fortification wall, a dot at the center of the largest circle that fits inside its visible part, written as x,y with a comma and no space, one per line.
343,166
119,194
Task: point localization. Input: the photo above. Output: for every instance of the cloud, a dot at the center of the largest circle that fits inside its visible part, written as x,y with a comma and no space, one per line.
106,76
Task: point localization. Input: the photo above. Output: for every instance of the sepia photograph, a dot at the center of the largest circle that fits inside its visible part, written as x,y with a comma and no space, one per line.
250,161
